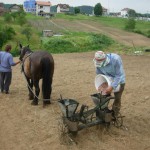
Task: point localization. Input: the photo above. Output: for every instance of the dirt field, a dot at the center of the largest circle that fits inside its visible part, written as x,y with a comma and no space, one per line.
123,37
26,127
127,38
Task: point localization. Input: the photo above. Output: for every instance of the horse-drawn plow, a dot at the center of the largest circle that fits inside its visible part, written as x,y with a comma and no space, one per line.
76,120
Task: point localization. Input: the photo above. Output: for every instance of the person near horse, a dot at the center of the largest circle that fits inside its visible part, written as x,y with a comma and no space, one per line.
111,65
6,61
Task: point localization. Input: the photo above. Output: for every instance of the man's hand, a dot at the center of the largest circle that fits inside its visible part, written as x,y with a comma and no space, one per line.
108,90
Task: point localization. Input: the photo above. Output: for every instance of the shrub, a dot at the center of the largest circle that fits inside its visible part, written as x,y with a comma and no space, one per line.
7,17
6,34
138,31
148,33
130,24
77,42
27,32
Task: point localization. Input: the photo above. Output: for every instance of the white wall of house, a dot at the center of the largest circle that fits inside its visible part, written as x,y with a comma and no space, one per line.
40,8
59,10
15,8
124,13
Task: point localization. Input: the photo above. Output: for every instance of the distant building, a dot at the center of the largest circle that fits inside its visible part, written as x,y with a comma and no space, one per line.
29,6
14,8
62,8
1,8
124,12
88,10
47,33
105,11
55,9
43,8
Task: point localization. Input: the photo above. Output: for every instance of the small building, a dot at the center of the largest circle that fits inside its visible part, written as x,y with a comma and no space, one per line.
42,8
88,10
62,8
124,12
14,8
47,33
105,11
2,10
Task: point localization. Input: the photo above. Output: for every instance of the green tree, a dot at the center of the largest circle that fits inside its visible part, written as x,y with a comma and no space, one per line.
2,38
132,13
10,32
27,32
77,10
7,17
6,34
21,20
98,9
14,15
130,24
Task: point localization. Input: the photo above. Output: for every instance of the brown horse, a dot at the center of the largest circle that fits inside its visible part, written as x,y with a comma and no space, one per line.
35,66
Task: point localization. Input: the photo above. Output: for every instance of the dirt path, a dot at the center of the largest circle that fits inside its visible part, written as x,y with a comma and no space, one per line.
26,127
121,36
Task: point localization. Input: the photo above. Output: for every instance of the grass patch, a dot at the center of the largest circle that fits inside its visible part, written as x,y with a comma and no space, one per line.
77,42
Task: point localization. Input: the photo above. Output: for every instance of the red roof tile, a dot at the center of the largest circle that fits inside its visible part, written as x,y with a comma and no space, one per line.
43,3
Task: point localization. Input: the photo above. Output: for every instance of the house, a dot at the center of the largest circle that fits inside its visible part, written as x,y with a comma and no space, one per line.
88,10
9,7
29,6
62,8
47,33
14,8
53,10
124,12
43,8
105,11
1,8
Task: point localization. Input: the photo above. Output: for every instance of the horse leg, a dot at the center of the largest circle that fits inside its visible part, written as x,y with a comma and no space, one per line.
30,88
37,91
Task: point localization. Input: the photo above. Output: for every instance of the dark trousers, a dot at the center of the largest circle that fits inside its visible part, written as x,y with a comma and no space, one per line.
5,80
117,102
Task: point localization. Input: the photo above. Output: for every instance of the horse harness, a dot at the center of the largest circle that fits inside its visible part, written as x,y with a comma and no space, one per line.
22,66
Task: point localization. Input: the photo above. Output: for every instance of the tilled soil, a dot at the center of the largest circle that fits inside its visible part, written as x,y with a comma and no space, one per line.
27,127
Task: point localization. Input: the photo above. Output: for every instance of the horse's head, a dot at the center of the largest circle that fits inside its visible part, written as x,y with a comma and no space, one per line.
24,50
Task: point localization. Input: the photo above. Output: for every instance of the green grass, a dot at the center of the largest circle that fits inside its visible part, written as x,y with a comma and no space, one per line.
72,41
115,22
77,42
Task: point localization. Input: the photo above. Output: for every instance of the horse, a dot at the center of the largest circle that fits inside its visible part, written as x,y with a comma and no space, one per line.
35,66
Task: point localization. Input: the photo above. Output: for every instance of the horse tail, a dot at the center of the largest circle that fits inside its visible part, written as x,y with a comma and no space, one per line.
47,75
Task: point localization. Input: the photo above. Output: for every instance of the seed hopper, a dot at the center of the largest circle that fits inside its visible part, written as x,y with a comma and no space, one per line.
77,119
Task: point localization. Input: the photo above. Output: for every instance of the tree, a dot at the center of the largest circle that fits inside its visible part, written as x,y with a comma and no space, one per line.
27,32
14,15
131,13
7,17
21,20
77,10
98,9
130,24
6,34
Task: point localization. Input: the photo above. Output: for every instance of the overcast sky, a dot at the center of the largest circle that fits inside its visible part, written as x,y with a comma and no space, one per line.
140,6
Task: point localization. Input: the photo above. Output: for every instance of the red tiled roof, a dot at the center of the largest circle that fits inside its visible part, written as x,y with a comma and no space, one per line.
43,3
